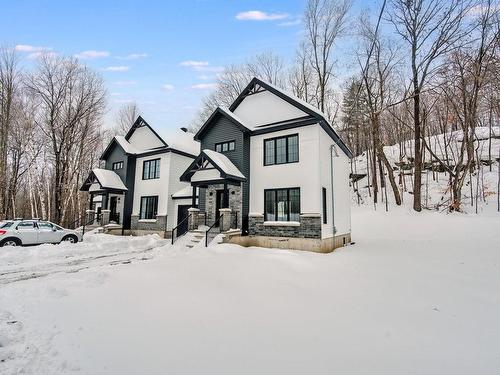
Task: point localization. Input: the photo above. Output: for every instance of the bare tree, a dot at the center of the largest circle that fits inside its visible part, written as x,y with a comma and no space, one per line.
9,81
325,22
71,98
125,117
431,28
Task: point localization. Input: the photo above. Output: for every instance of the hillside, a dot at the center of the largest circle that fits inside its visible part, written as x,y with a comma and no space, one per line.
435,190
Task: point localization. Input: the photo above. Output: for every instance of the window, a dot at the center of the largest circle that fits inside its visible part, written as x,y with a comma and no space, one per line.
151,169
225,146
149,207
281,150
282,204
7,224
117,165
24,225
44,225
324,205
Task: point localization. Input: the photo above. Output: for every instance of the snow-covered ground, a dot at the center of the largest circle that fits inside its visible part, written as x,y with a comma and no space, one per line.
416,294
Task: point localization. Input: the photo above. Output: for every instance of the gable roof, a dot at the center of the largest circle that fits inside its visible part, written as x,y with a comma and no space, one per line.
108,180
139,123
221,111
313,114
219,161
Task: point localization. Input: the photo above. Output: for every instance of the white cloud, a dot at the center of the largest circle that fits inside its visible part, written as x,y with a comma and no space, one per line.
290,23
117,68
201,66
133,56
479,10
28,48
168,87
194,64
116,94
204,86
125,83
258,15
92,54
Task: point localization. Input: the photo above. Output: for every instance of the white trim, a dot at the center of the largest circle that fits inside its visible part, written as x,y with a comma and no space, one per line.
282,223
147,220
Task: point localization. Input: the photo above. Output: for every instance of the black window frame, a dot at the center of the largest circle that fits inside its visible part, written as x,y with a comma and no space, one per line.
154,212
227,144
149,177
289,205
287,151
117,165
325,212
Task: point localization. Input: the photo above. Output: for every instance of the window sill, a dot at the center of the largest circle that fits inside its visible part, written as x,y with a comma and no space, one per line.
147,220
282,223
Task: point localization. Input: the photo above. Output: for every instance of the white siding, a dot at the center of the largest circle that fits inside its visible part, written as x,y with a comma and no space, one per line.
311,174
340,188
178,164
172,166
265,108
143,138
157,186
304,174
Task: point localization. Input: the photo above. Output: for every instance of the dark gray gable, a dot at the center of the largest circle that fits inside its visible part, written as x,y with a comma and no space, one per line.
212,121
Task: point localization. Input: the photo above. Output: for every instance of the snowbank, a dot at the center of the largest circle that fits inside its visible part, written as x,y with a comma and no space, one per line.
417,294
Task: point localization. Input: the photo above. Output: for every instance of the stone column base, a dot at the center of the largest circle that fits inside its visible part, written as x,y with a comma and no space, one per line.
105,217
193,218
225,221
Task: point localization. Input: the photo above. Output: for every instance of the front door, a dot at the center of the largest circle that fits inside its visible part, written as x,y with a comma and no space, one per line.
182,213
112,209
218,203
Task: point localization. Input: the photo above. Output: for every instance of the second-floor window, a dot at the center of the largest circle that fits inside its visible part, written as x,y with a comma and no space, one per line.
281,150
225,146
151,169
117,165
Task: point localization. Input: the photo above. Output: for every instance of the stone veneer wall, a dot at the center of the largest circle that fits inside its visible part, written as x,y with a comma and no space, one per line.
309,227
235,201
149,225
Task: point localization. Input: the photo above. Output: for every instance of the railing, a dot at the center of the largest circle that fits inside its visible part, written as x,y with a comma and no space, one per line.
211,233
176,228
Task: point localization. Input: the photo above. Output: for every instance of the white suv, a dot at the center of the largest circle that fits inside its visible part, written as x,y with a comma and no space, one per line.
34,232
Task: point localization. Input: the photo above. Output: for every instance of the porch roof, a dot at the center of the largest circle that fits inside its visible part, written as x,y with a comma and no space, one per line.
103,180
212,166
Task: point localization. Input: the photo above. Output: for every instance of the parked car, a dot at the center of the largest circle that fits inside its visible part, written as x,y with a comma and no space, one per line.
34,232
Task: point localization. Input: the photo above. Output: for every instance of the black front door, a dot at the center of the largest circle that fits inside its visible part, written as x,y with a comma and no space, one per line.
218,203
112,208
182,213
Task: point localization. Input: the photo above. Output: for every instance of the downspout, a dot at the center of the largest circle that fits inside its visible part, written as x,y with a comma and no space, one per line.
332,150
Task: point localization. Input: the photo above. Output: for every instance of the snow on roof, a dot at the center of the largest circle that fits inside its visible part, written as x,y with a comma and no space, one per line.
127,147
182,141
224,163
109,179
236,118
184,192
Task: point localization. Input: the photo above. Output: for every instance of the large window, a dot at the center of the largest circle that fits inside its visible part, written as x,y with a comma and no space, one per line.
281,150
117,165
282,204
224,146
151,169
149,207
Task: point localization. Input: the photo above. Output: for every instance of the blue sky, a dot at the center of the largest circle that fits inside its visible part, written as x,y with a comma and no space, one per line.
162,54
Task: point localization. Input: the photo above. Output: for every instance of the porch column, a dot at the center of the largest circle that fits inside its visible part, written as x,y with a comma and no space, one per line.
225,202
91,201
105,217
193,201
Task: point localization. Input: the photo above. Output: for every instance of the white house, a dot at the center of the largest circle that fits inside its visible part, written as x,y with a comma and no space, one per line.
139,186
272,166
